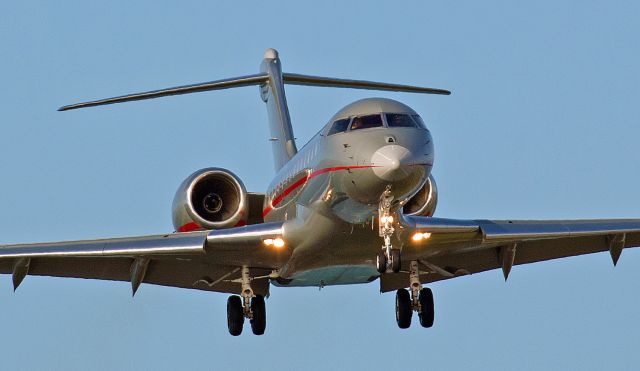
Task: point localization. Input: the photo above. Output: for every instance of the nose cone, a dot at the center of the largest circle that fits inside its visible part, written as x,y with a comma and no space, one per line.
396,166
391,165
392,162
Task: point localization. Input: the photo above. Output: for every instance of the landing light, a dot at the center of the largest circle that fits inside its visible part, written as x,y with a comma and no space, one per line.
420,236
386,219
275,242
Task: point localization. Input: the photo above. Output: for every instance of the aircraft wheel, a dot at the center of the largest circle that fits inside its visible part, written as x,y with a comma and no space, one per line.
426,303
403,308
259,320
381,262
396,261
235,315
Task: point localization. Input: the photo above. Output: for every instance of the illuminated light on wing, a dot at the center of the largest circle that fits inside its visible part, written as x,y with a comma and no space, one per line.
417,237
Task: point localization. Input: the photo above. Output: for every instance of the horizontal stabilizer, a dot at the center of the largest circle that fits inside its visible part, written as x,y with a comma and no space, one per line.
185,89
258,79
295,79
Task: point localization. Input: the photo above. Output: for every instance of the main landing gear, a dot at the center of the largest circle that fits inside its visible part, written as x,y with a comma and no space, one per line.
420,300
388,258
248,305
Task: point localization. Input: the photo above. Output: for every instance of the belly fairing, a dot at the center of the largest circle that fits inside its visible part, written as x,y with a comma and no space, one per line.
333,275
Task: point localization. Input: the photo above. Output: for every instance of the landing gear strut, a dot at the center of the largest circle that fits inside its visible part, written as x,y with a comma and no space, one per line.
388,258
248,305
420,300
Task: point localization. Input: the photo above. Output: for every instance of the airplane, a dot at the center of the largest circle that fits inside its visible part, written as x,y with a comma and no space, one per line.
354,205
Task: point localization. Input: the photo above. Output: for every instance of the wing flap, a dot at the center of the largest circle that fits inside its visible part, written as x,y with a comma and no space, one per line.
473,261
172,272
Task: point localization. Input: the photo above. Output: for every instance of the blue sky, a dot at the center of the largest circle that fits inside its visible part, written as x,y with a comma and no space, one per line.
542,124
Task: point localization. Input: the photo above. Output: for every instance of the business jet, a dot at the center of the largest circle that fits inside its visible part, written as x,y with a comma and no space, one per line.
353,205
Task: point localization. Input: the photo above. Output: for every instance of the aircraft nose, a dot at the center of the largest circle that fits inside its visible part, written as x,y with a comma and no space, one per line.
389,162
400,167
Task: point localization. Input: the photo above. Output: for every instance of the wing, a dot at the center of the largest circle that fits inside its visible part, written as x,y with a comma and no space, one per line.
206,260
460,247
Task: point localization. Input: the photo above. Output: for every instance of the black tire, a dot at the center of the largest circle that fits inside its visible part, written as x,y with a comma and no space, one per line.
426,303
235,315
259,320
381,262
403,308
396,261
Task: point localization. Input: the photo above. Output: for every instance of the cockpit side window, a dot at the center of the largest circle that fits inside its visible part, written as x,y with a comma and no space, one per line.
419,121
398,120
339,126
366,122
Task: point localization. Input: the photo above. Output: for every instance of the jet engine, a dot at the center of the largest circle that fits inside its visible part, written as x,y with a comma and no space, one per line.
425,201
210,198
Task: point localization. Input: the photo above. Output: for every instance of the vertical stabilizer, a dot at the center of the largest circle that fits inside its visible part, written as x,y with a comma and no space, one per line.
272,93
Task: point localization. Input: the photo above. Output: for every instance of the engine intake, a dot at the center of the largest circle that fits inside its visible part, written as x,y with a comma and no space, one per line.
210,198
425,201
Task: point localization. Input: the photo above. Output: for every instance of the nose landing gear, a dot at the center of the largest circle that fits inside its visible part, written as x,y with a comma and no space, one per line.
420,300
388,258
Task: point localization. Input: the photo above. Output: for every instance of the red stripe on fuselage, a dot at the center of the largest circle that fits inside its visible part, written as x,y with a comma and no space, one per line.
303,180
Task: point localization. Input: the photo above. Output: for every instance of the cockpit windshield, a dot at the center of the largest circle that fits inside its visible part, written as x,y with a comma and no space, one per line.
393,120
339,126
397,120
366,122
419,121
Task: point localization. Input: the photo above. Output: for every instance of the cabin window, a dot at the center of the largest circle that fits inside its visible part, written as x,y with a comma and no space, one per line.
398,120
339,126
366,122
419,121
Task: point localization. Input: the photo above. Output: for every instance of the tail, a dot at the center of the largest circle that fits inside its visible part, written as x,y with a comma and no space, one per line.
271,80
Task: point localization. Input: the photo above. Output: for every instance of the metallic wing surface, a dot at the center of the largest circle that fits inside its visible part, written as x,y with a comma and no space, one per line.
450,248
206,260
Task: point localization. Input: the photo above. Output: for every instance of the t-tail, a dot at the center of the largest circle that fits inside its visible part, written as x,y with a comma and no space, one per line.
271,81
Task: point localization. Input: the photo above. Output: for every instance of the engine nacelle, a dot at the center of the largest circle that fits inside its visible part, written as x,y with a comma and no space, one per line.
425,201
210,198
